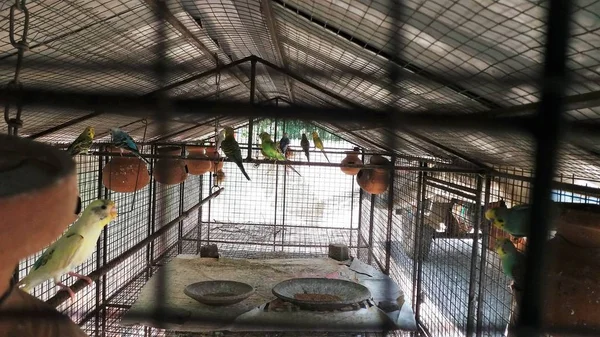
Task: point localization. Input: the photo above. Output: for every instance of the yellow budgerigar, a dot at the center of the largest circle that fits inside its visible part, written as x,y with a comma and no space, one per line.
73,248
83,143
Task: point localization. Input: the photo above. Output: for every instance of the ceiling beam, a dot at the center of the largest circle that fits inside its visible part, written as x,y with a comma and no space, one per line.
272,26
182,29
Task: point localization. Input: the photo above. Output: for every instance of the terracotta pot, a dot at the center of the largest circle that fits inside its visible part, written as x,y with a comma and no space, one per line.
198,167
170,171
351,158
125,174
374,181
38,195
572,290
213,153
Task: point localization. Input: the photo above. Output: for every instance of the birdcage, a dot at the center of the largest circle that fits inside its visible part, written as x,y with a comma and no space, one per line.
453,107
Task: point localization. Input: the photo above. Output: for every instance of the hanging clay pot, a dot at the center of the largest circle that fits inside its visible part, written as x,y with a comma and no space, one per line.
353,159
374,181
125,174
38,196
571,290
170,171
213,153
198,167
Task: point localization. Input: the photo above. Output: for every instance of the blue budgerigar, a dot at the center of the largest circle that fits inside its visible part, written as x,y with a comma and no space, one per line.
284,143
124,141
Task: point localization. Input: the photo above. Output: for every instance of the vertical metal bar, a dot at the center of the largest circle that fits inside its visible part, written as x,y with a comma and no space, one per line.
351,212
153,210
252,96
98,249
473,269
547,131
359,237
418,255
199,222
388,236
276,194
181,200
284,193
104,260
150,228
371,217
482,262
210,183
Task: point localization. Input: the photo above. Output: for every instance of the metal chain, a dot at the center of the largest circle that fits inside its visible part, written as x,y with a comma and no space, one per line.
14,85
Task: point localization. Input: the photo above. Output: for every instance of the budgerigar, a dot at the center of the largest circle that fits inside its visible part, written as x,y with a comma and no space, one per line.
231,148
515,220
513,261
73,248
122,140
82,143
319,144
270,150
284,142
305,144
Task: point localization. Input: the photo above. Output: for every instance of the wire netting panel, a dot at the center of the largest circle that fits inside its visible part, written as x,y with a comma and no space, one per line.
446,275
85,302
404,228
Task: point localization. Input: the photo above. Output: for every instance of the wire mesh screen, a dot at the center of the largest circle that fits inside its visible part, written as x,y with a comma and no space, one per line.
448,91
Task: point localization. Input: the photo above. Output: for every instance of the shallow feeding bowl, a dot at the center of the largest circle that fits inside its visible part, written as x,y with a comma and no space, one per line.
219,292
321,293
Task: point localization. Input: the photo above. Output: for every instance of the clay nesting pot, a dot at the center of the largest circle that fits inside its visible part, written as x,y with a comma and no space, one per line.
170,171
125,174
198,167
374,181
351,158
38,194
213,153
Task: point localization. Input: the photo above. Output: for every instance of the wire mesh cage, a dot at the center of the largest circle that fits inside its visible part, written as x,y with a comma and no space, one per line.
449,109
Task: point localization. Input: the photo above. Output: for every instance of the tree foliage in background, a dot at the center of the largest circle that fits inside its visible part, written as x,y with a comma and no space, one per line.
294,129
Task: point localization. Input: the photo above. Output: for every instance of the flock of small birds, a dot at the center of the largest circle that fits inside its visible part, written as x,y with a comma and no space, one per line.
225,140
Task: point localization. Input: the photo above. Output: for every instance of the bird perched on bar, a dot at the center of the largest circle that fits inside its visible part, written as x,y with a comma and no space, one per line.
231,148
73,248
284,142
513,261
319,144
82,143
515,220
124,141
270,150
305,144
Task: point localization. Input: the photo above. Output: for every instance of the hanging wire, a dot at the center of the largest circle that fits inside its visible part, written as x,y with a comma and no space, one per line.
216,186
15,85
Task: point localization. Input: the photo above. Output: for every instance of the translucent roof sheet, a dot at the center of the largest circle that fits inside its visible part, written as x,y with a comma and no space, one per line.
456,57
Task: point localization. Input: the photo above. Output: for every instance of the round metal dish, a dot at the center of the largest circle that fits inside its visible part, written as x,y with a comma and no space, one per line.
219,292
321,293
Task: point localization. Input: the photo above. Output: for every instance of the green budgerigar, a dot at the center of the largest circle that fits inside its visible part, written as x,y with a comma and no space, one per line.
513,261
270,150
82,143
231,148
319,144
73,248
515,220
